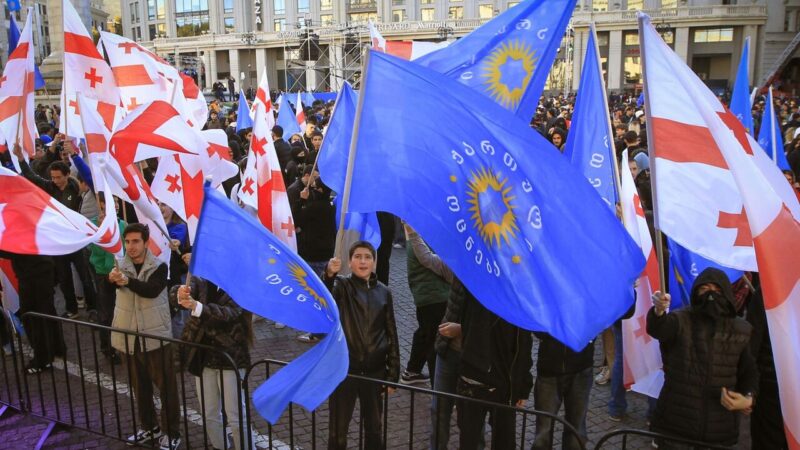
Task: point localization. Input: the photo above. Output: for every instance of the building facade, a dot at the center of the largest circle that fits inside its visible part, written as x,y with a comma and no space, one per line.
313,44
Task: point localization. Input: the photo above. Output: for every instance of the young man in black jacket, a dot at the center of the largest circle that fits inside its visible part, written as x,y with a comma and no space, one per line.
367,316
496,367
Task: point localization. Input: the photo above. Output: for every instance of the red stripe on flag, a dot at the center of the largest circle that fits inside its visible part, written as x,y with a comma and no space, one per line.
794,443
10,106
21,52
136,75
6,268
401,49
777,248
107,112
190,89
24,207
682,143
81,45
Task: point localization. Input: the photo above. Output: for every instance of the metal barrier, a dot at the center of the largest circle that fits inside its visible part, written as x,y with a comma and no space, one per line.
86,392
625,434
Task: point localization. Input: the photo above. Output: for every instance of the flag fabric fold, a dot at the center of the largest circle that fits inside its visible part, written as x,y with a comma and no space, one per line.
774,228
481,196
408,50
243,119
685,266
286,117
508,58
270,280
13,40
589,143
10,285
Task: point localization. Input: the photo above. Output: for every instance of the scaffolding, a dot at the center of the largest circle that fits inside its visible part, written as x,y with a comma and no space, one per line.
321,59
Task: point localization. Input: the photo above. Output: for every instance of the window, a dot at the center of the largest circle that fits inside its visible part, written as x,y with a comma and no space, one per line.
669,4
155,9
278,24
426,2
455,12
362,17
398,2
135,12
427,14
326,4
599,5
191,17
635,5
227,5
137,34
279,7
157,30
485,11
713,35
398,15
631,38
512,4
668,36
229,25
303,6
633,70
326,19
602,39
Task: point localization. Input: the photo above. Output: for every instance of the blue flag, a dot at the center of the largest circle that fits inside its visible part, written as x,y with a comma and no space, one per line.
336,148
235,252
308,98
13,5
740,99
243,119
685,266
640,100
13,40
770,137
508,58
287,119
589,144
505,211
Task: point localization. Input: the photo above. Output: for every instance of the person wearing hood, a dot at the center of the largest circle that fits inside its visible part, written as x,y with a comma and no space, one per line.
709,372
294,168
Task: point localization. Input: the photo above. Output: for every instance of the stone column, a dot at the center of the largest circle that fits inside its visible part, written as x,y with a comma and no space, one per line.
751,31
579,49
615,60
261,64
235,70
682,43
209,77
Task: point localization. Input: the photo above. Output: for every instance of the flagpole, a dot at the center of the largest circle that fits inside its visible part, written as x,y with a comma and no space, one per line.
612,147
351,157
772,125
648,116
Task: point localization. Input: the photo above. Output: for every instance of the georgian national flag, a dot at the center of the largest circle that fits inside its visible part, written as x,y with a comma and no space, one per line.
85,71
34,223
218,165
642,356
770,218
178,182
144,77
262,184
10,284
300,111
17,123
698,203
263,99
408,50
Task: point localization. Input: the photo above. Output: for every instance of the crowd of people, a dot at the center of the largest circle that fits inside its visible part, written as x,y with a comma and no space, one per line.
716,352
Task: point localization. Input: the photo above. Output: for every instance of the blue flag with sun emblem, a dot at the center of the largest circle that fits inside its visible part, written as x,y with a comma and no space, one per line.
235,252
508,58
589,143
685,266
513,219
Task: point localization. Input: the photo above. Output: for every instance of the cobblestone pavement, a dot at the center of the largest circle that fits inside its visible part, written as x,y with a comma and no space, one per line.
103,403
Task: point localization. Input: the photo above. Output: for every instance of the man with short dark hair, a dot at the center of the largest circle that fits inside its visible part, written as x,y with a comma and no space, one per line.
66,190
282,148
311,128
142,307
316,144
366,310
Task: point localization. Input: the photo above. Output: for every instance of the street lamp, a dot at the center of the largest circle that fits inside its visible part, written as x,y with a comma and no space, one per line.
444,32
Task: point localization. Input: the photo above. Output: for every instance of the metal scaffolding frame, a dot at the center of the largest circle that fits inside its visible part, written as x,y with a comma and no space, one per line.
321,59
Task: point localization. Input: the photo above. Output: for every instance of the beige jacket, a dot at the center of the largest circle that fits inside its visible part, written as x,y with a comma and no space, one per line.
140,314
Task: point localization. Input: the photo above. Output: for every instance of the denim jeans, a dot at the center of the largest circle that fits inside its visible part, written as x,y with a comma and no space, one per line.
445,379
573,391
617,404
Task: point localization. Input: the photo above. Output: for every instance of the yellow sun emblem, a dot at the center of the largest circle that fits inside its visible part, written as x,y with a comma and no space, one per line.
507,72
491,207
299,275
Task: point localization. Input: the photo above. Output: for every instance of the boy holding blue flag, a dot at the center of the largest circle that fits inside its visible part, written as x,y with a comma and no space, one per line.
366,311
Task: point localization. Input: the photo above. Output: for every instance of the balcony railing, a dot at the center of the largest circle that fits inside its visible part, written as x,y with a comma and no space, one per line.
362,6
688,13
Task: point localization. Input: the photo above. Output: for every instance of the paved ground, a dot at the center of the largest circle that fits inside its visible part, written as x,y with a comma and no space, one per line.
102,403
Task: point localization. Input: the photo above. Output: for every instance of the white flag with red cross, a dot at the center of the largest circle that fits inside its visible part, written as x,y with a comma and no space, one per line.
642,356
10,284
34,223
262,185
408,50
219,165
263,98
771,218
17,123
143,76
698,203
300,112
85,71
